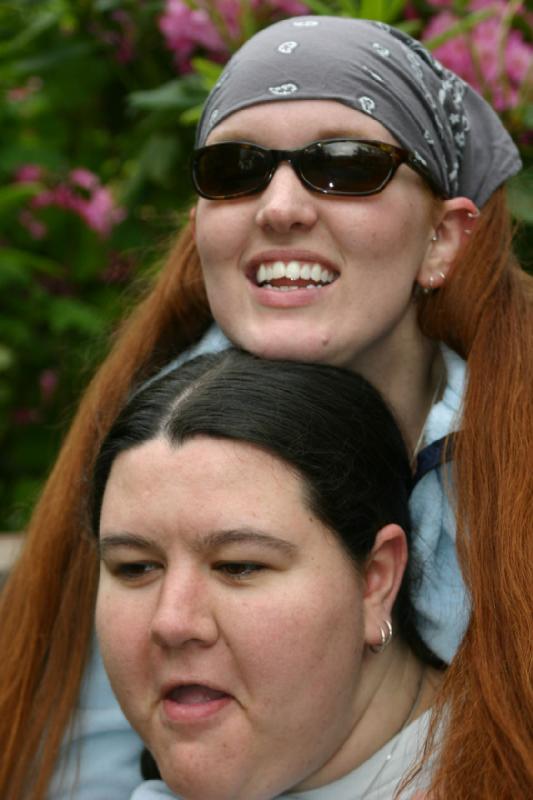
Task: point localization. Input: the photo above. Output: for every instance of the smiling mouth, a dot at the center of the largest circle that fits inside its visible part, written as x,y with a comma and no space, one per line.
293,276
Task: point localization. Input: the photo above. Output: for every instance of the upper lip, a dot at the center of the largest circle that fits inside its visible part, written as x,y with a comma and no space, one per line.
286,255
170,685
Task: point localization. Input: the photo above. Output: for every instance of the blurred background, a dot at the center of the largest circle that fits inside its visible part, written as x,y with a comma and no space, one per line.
98,103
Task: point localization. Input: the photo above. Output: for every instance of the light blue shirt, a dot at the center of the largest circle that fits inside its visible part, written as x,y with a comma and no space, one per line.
103,759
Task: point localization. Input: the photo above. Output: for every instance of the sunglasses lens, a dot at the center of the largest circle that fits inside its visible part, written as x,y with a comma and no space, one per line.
346,167
230,169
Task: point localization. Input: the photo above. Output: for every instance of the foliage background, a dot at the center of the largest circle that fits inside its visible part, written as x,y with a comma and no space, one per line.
98,101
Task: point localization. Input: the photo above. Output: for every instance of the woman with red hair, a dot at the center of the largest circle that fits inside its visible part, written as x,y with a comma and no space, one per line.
351,212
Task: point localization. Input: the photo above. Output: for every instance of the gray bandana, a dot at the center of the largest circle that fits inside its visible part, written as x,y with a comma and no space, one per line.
383,73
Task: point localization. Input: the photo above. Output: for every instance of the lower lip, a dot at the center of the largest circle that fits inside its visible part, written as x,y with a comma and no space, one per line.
292,299
187,713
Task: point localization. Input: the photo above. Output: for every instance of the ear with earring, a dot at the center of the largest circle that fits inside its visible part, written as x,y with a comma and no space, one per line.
432,278
385,632
471,215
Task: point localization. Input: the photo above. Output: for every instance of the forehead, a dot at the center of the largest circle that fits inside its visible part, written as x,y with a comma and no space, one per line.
204,484
304,120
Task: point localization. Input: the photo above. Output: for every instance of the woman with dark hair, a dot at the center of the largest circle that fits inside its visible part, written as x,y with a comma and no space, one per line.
351,211
253,612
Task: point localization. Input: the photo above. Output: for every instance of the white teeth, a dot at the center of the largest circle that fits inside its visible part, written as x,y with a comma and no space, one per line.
278,269
316,273
293,271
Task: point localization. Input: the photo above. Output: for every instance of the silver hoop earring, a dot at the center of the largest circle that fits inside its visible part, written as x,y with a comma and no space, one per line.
385,631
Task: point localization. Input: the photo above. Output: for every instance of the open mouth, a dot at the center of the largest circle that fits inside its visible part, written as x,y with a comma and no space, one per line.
293,276
195,694
194,703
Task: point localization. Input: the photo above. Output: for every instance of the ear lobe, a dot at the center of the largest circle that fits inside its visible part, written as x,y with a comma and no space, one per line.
383,575
455,222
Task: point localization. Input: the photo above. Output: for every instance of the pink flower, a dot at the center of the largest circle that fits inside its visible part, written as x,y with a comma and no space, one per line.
478,57
29,173
95,206
48,380
518,57
290,8
125,37
100,212
120,36
35,227
230,11
84,178
186,29
20,93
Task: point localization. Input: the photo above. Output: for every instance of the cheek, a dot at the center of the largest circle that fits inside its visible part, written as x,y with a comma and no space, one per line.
316,634
219,231
122,630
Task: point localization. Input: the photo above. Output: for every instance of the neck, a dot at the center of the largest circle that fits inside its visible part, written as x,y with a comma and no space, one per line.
410,375
396,690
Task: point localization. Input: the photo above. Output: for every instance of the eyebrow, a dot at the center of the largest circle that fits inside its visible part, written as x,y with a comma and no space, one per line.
212,541
114,540
326,133
244,535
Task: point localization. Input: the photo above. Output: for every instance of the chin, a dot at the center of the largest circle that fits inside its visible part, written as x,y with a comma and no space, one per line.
202,789
291,347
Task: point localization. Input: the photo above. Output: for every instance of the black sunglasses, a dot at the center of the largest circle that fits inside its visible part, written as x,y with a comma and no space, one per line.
350,167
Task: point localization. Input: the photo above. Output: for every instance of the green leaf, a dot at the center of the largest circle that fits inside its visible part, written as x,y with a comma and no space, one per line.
247,21
40,22
372,9
520,192
16,194
209,70
528,116
53,58
159,156
6,357
68,314
319,7
178,94
394,9
18,266
192,115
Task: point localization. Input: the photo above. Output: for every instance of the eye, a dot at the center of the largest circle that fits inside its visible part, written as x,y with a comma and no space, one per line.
133,570
239,570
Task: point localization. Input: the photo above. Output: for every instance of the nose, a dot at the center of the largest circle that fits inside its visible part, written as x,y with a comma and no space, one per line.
184,613
286,205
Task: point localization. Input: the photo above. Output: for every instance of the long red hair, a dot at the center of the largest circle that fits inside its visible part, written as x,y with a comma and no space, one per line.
485,314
